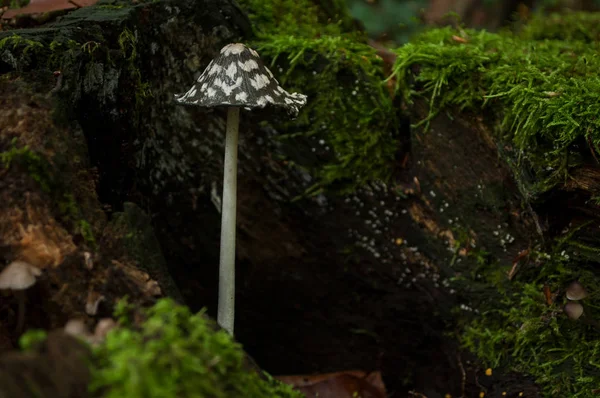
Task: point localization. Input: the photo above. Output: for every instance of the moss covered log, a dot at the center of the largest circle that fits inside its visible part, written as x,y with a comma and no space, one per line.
530,96
176,354
350,117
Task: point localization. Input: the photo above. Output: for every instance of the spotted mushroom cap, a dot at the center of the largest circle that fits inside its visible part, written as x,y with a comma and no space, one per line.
238,77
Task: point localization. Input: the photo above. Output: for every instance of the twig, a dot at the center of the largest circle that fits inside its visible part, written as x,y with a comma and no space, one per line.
591,145
463,381
417,394
59,78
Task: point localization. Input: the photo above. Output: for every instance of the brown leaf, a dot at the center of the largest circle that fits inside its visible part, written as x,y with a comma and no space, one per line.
42,6
459,39
42,246
523,254
344,384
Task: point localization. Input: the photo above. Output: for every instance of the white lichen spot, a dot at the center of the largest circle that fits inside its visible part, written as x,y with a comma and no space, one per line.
211,92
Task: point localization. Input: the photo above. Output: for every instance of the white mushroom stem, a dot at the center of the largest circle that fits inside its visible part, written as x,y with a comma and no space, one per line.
20,295
226,306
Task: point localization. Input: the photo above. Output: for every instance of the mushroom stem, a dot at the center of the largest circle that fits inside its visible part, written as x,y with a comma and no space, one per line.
226,306
20,295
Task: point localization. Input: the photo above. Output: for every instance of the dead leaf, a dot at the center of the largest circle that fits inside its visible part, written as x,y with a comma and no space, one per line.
346,384
42,6
40,248
459,39
523,254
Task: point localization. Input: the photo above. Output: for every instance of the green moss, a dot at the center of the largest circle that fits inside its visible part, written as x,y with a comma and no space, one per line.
176,354
525,334
43,172
542,92
37,167
63,52
112,6
90,47
18,3
565,26
128,44
87,233
348,109
538,88
297,17
516,328
15,42
31,338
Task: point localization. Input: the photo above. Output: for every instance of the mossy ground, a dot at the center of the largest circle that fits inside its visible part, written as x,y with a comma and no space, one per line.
538,89
175,353
541,89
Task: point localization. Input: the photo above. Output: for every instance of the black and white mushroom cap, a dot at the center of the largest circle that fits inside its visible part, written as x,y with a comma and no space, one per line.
238,77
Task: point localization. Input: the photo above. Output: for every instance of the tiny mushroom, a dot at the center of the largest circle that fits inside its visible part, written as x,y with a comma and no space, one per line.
103,326
575,291
93,302
19,276
236,78
77,328
573,310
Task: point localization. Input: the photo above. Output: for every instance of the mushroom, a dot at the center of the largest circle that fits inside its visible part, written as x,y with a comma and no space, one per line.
573,310
575,291
235,78
103,326
93,302
77,328
18,276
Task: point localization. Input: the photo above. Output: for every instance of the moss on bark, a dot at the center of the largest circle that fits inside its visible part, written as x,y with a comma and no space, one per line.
535,93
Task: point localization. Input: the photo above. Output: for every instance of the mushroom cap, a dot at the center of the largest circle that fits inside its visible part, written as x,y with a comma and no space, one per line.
77,328
18,275
238,77
575,291
573,310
